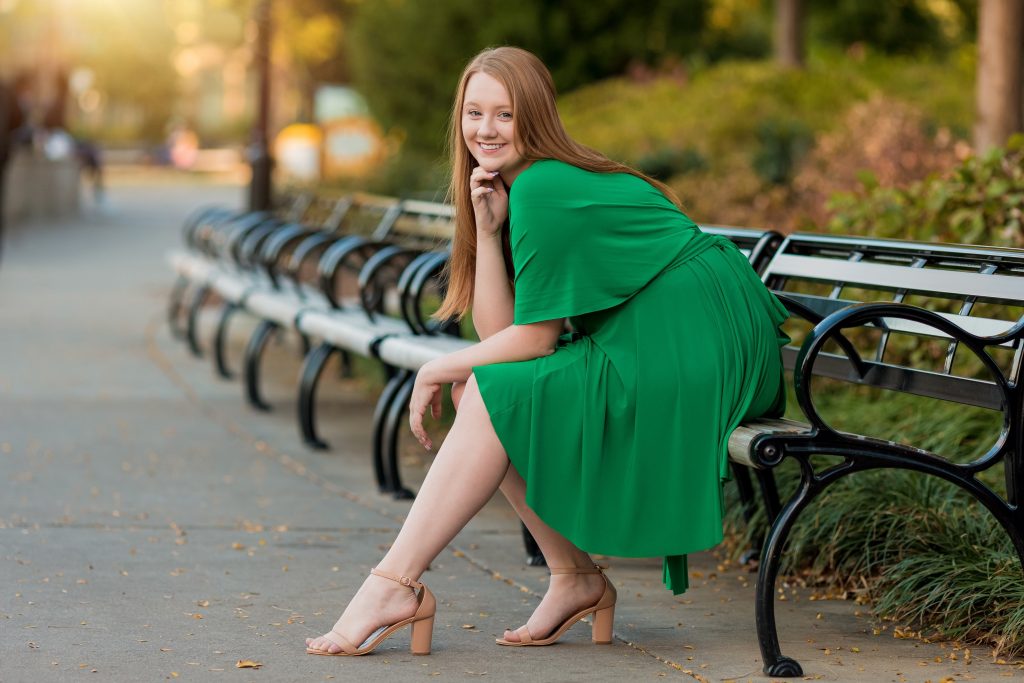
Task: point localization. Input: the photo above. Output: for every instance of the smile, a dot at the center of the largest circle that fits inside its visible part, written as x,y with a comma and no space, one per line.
491,147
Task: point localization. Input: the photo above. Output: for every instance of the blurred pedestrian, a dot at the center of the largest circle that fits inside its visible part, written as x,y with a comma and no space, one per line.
9,122
91,161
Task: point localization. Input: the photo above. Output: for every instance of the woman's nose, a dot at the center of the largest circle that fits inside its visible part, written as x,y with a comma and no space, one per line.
487,128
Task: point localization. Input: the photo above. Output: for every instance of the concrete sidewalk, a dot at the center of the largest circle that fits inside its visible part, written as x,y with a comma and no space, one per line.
154,528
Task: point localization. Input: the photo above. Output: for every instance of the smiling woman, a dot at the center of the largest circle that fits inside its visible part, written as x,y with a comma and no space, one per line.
488,127
611,439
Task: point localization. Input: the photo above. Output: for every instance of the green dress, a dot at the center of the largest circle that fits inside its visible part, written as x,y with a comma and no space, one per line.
621,434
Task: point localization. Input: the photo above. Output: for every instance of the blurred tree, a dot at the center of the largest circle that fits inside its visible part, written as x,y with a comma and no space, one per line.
309,42
311,35
998,98
127,47
789,39
407,55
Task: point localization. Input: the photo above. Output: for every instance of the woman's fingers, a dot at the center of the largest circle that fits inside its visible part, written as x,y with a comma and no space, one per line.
481,191
479,175
435,405
416,424
423,397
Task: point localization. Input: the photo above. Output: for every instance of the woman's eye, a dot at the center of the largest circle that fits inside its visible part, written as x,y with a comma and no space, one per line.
506,115
473,112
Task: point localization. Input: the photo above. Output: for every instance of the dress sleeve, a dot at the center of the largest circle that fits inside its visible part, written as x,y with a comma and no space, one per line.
584,242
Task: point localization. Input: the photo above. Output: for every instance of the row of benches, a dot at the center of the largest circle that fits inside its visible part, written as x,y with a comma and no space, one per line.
363,280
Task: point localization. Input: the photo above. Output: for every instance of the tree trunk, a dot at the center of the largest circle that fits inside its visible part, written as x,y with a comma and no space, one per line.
998,95
789,43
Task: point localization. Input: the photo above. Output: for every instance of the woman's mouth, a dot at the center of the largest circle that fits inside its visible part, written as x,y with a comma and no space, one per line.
491,147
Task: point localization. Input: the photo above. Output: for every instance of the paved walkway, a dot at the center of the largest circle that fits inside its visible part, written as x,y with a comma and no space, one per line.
152,527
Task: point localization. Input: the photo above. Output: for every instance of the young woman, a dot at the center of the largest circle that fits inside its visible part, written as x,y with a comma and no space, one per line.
611,439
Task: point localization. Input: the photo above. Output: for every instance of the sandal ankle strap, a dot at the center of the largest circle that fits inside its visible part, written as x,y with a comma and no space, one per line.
404,580
575,570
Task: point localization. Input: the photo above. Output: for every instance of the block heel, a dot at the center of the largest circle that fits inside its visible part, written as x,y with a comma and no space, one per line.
601,630
422,632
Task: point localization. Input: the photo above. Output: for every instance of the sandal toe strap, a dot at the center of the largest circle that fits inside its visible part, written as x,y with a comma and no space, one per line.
341,641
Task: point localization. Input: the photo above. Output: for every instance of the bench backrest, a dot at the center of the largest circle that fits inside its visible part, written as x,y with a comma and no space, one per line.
757,245
980,289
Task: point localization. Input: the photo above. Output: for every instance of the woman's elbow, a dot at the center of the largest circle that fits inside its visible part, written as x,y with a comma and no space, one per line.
543,345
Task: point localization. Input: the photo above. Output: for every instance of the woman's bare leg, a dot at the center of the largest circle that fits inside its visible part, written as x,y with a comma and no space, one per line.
467,470
567,593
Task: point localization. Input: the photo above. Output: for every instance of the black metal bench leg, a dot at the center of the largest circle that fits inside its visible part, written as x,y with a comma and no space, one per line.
769,494
775,663
191,331
253,353
174,307
310,376
746,490
534,557
380,412
345,367
220,342
393,424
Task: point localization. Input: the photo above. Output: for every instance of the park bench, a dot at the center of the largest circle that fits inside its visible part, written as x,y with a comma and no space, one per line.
855,296
262,264
856,293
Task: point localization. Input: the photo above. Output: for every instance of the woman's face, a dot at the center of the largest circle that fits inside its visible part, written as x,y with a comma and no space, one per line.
488,127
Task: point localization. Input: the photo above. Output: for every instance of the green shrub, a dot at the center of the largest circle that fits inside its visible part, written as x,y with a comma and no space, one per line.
980,203
903,26
781,146
665,163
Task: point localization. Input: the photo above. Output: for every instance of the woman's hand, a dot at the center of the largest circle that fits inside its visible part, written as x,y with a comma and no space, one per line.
490,200
426,393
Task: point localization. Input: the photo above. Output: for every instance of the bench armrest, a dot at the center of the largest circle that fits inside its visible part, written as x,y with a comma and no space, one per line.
858,315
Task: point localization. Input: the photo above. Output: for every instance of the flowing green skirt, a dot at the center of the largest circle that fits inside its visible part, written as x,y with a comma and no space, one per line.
621,435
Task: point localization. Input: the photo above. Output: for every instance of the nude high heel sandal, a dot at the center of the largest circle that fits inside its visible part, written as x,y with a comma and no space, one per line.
422,624
603,611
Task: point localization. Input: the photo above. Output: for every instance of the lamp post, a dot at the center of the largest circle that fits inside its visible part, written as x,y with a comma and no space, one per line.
259,148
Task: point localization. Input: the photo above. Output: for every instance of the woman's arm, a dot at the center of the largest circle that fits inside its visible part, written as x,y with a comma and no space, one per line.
514,343
492,293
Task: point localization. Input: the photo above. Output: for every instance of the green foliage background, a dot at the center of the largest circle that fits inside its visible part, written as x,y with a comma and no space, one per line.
407,55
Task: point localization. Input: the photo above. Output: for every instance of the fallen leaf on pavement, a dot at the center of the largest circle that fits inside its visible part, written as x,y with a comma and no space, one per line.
248,664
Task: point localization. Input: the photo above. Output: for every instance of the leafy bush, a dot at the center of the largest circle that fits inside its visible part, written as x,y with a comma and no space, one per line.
980,203
665,163
904,26
781,146
407,55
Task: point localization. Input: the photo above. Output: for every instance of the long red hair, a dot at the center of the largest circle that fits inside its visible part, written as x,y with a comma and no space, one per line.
540,135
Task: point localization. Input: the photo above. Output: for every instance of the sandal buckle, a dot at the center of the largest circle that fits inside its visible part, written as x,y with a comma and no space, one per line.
405,581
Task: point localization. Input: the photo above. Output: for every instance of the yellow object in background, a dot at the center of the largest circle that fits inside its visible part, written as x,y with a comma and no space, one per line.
297,150
353,147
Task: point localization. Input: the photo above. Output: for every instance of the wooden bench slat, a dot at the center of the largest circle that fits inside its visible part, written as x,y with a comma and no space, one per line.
1002,288
983,327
